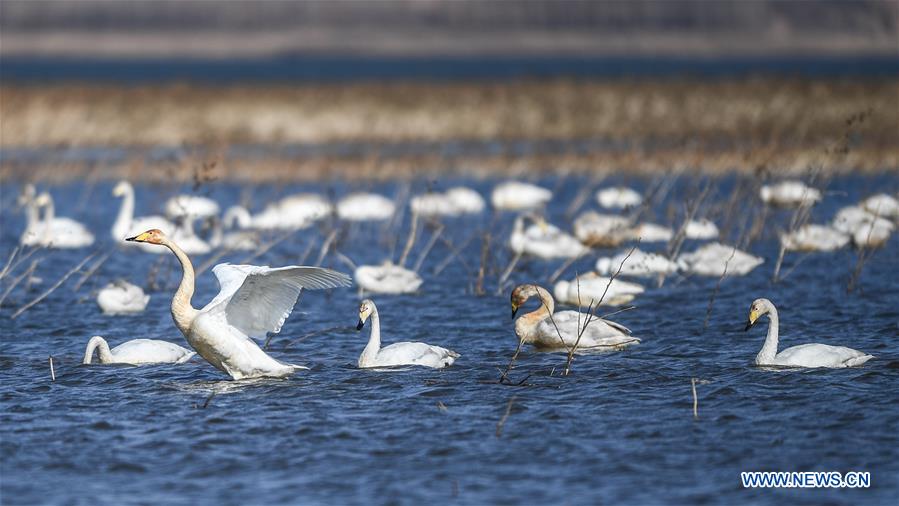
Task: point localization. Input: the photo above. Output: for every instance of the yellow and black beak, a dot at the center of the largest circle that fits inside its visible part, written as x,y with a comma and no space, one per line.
139,237
360,324
753,317
514,309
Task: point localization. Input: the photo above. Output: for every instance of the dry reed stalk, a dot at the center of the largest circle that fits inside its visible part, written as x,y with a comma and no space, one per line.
52,371
212,260
410,241
21,259
264,248
507,272
695,399
9,261
430,244
502,421
326,245
708,312
54,287
27,273
90,272
455,253
482,270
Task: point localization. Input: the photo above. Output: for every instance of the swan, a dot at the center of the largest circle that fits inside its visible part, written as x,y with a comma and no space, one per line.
589,288
188,240
365,207
136,352
454,202
252,302
866,229
294,212
651,232
882,205
639,263
701,229
804,355
539,328
712,260
602,230
814,238
33,235
398,353
789,194
518,196
190,206
618,197
241,240
543,240
63,233
466,200
126,225
120,297
387,278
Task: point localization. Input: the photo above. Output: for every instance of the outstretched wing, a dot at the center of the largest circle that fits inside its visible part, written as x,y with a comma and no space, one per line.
256,300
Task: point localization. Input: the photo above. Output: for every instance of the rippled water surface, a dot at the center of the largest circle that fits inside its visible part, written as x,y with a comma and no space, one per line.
618,429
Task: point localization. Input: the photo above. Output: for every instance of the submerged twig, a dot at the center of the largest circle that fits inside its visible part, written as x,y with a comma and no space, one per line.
502,421
695,399
52,371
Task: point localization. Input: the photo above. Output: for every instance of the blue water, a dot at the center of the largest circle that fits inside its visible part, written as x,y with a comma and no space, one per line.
618,429
309,68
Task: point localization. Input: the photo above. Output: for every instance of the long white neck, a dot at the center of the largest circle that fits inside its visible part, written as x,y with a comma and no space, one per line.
32,220
374,340
182,311
98,343
769,350
126,215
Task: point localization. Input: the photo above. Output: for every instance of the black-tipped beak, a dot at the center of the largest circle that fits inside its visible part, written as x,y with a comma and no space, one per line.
360,325
749,325
132,239
514,311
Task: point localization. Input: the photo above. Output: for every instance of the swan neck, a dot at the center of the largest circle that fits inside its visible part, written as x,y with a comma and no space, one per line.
374,339
769,350
126,215
182,311
31,215
100,344
525,326
49,212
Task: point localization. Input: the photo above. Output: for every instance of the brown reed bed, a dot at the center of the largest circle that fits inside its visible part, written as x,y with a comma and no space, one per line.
643,126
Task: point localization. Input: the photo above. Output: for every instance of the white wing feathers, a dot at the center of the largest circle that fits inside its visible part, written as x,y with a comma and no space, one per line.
256,300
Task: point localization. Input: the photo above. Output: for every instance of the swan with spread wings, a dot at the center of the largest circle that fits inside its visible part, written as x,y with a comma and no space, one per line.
252,301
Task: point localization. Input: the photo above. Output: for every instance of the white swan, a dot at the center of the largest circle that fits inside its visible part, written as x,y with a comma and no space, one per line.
398,353
387,278
866,229
618,197
63,233
518,196
589,288
252,302
882,205
454,202
804,355
188,240
294,212
136,352
543,328
365,207
121,297
712,260
466,200
639,263
240,240
543,240
126,225
789,194
190,206
814,238
33,235
602,230
651,232
701,229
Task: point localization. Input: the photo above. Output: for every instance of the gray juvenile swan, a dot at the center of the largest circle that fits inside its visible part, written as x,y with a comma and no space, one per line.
804,355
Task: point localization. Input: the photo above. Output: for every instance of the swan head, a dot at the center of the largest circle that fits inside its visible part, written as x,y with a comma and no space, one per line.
42,200
27,195
366,307
152,236
520,295
121,189
758,308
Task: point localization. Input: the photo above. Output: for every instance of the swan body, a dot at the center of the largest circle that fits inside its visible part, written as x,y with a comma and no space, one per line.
882,205
539,327
618,197
137,352
866,229
121,297
252,302
466,200
814,238
589,288
126,225
190,206
398,353
712,260
387,278
454,202
639,263
365,207
789,194
60,233
602,230
543,240
518,196
805,355
651,232
701,229
293,212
